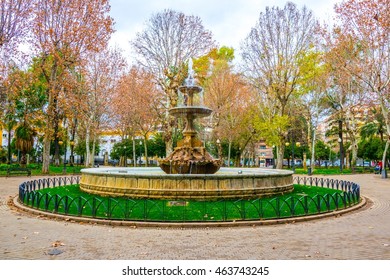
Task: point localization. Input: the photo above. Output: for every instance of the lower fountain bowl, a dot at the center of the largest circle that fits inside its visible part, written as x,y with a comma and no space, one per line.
227,183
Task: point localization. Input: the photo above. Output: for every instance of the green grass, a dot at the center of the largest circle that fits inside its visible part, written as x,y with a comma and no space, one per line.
36,169
334,170
304,200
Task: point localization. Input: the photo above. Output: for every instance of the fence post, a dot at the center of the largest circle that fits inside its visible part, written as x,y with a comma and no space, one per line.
277,207
292,207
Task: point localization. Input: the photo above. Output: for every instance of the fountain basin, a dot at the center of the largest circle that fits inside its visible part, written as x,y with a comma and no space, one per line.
227,183
197,111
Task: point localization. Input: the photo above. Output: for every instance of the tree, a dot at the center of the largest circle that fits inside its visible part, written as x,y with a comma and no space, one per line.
63,32
311,104
345,95
227,94
168,41
26,99
142,103
101,73
366,26
24,135
14,20
272,54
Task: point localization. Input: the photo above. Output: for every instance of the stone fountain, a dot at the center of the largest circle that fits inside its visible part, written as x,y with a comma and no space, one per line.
190,155
190,172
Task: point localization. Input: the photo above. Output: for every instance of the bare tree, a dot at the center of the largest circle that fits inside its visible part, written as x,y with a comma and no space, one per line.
272,53
168,41
14,20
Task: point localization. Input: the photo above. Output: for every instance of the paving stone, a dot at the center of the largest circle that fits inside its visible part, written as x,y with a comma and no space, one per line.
363,234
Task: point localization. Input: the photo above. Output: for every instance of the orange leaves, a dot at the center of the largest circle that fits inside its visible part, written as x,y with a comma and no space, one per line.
71,24
136,101
366,20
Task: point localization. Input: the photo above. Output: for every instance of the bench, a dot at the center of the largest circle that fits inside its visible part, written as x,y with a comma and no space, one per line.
18,171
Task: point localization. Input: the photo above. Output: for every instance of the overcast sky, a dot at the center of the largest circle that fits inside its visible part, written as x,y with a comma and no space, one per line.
230,21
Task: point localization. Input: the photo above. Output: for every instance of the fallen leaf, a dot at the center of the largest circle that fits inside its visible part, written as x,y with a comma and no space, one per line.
57,243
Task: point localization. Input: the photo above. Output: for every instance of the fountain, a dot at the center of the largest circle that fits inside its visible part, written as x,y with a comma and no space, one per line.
190,156
190,172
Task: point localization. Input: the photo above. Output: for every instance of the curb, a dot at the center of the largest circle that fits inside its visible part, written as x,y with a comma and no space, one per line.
135,224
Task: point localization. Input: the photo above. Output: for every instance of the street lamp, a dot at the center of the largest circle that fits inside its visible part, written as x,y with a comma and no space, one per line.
219,149
297,144
61,143
71,159
288,159
125,159
134,153
340,140
140,153
326,163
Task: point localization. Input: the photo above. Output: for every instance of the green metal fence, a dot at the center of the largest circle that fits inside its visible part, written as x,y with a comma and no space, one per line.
346,195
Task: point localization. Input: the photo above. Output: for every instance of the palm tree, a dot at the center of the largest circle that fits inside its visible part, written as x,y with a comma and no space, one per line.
375,127
24,135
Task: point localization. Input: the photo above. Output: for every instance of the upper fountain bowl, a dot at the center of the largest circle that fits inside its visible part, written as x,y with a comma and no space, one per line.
193,89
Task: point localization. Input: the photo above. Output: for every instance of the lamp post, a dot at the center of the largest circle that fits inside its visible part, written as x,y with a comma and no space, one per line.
134,155
64,170
125,159
61,143
140,153
219,149
297,144
326,163
71,159
293,156
340,140
288,159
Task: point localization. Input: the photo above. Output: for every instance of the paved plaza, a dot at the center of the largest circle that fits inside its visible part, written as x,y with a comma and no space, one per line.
362,234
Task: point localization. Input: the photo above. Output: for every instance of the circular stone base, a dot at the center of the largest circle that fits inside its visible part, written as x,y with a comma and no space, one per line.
227,183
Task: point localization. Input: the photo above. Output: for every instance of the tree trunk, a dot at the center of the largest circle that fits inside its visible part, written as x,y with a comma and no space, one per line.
9,157
87,149
313,145
384,172
46,154
229,152
146,152
56,153
134,154
280,156
386,115
92,156
354,155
